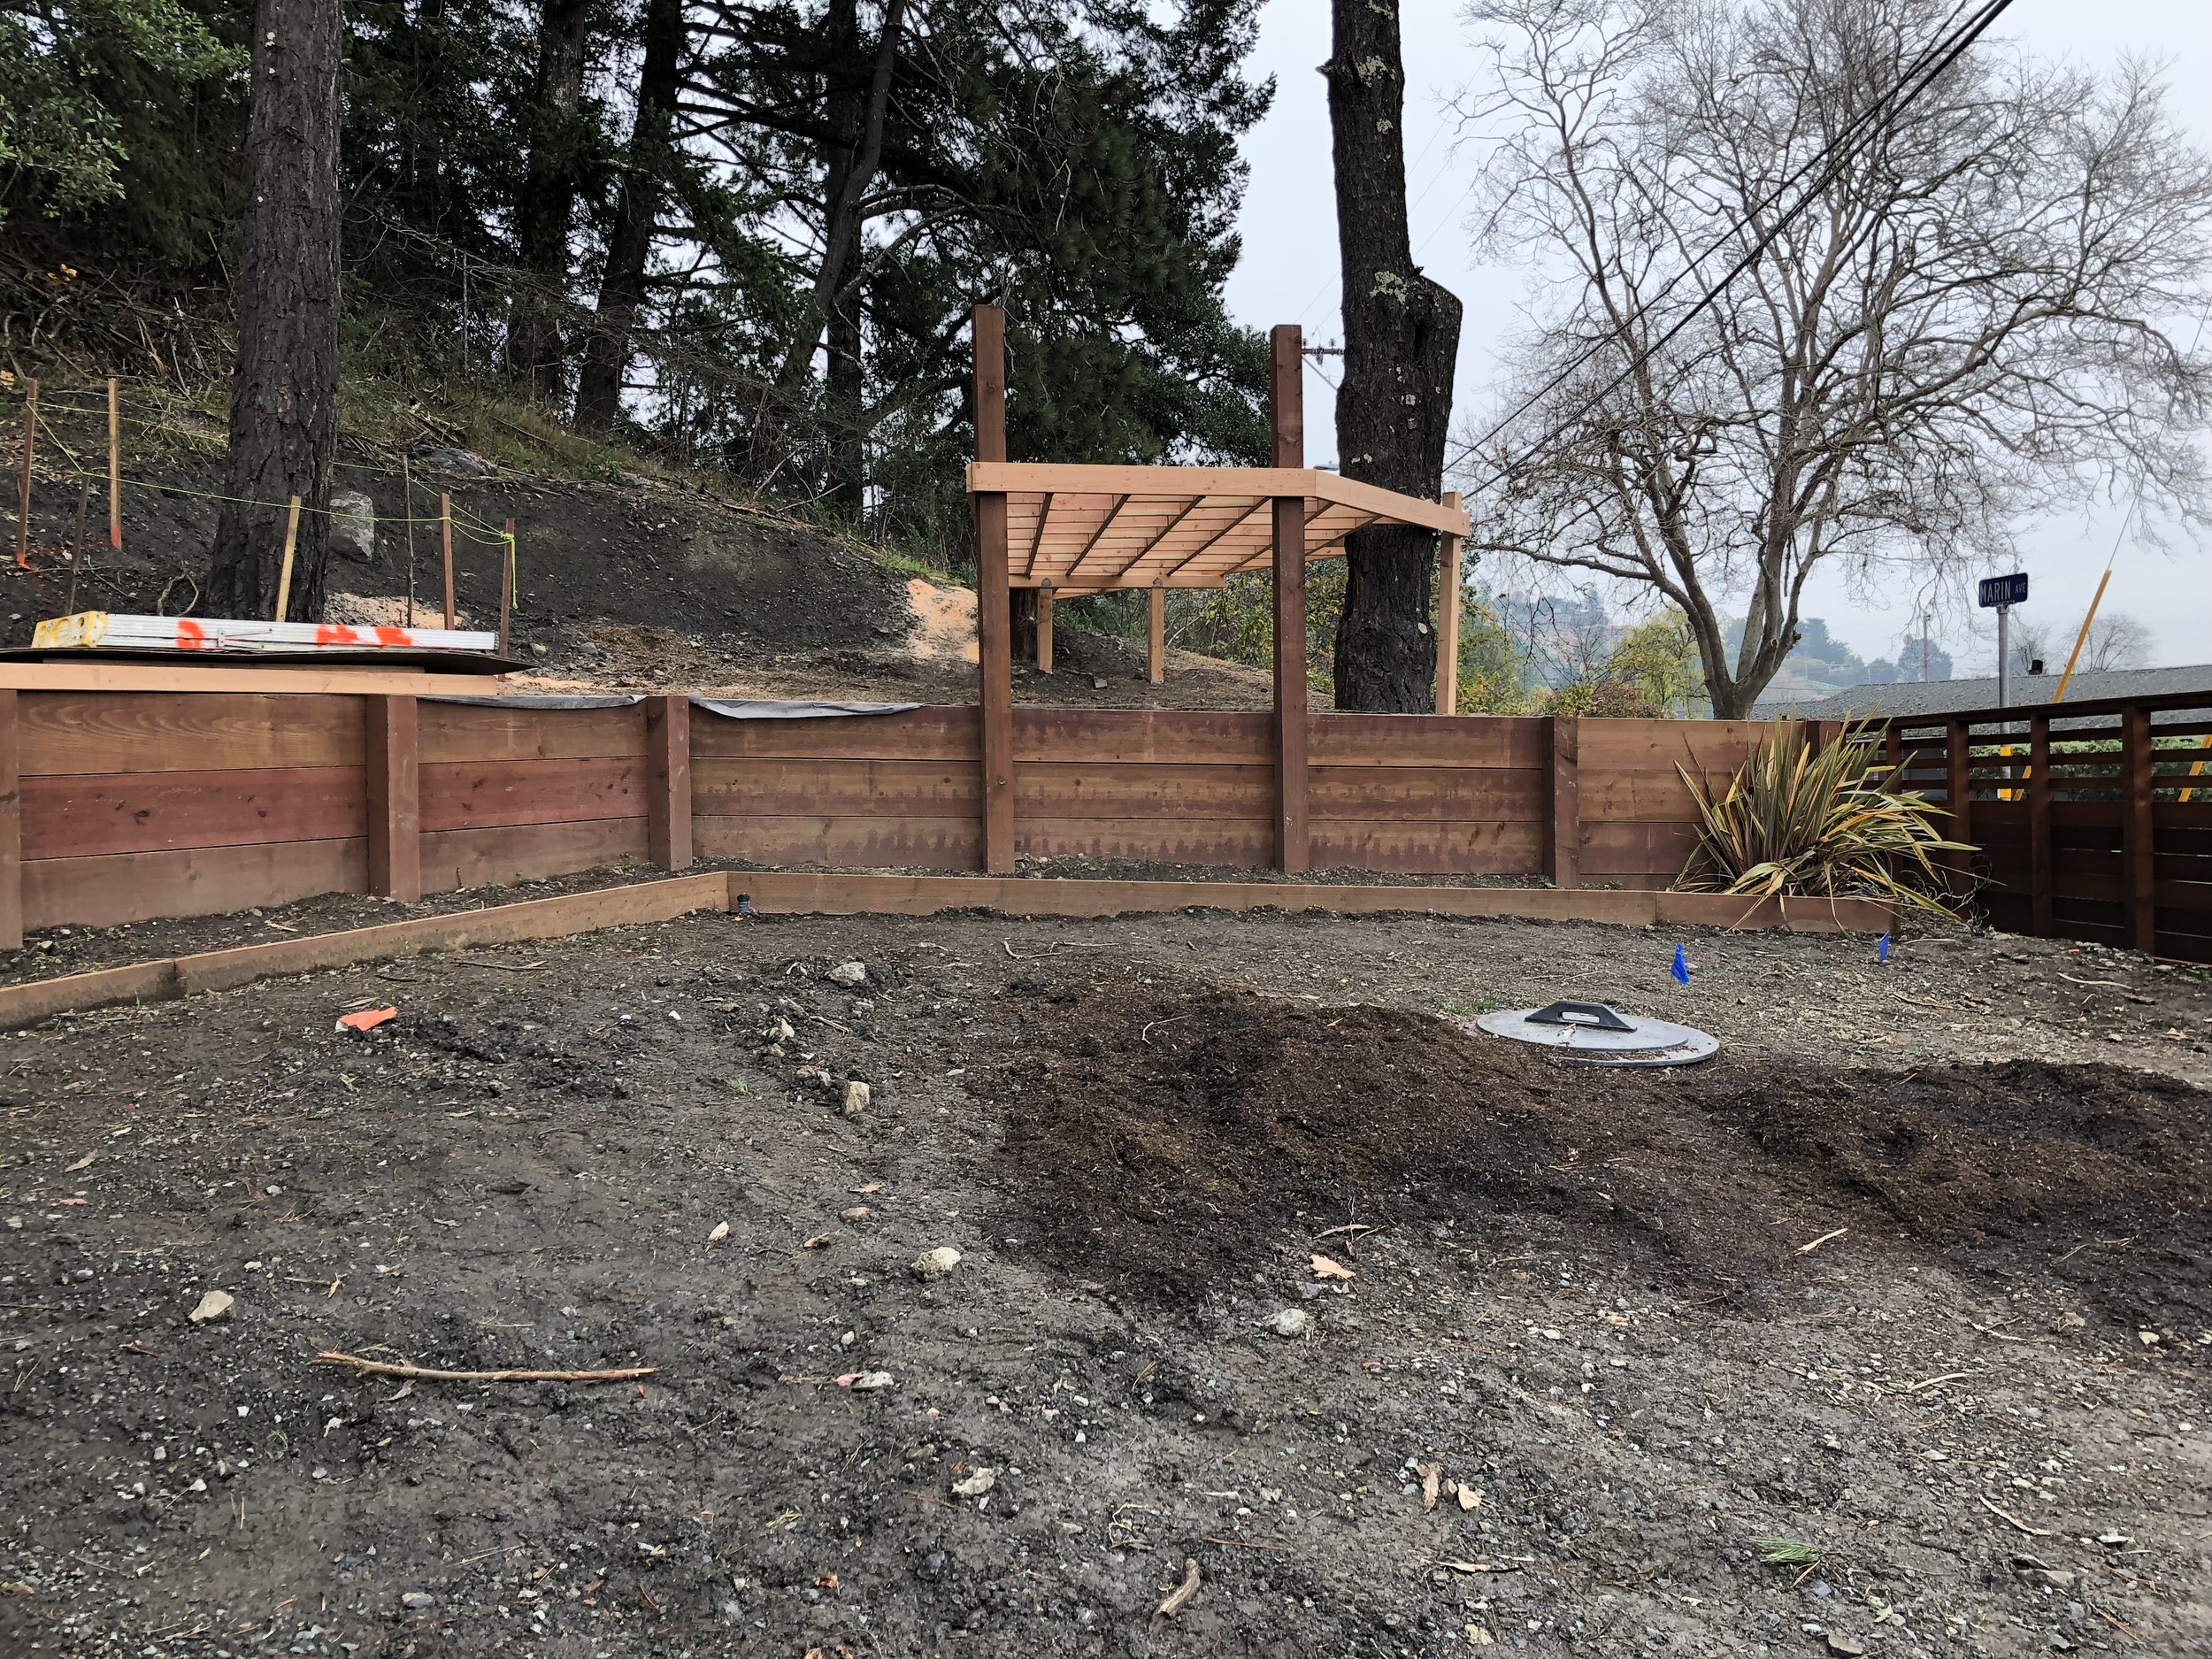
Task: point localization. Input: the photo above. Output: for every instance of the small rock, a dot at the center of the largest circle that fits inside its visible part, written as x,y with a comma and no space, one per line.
418,1600
976,1484
721,1232
353,524
779,1032
857,1097
933,1567
869,1380
937,1262
1844,1646
850,973
1097,684
858,1212
215,1305
1290,1322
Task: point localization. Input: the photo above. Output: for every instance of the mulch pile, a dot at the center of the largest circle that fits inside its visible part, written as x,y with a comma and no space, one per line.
1166,1138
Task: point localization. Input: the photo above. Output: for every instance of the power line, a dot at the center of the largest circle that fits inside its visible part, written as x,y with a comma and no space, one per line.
1939,56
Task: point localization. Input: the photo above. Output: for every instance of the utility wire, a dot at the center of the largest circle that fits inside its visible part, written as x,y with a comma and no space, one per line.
1939,56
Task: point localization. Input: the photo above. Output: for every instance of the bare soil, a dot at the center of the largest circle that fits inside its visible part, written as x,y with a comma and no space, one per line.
1978,1416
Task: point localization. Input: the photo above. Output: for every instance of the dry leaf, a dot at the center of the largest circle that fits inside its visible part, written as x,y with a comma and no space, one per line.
721,1232
84,1162
1328,1267
818,1240
872,1187
1469,1498
1431,1475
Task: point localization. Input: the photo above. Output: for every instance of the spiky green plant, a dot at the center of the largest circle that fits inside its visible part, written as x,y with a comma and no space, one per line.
1785,1552
1818,821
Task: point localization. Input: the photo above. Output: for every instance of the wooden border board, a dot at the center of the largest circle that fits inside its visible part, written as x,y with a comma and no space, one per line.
497,924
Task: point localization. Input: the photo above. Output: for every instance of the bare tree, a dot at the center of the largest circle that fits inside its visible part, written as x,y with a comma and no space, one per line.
2118,640
1973,319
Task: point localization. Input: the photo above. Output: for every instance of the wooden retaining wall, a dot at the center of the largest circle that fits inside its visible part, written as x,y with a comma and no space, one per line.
136,804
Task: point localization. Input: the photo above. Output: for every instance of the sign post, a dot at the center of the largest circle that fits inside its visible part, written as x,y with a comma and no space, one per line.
2000,593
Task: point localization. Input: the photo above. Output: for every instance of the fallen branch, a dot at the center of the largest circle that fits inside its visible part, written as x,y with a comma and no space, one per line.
424,1373
2032,1532
1180,1596
1806,1249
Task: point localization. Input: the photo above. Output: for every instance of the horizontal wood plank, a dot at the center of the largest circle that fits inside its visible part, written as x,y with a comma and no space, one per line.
1429,740
1237,844
464,734
927,733
479,794
843,841
87,732
458,858
1461,848
1427,794
1636,847
87,815
105,890
821,788
1156,736
1107,790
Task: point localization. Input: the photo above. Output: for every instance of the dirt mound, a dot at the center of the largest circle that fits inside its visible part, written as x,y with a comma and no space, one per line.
1173,1136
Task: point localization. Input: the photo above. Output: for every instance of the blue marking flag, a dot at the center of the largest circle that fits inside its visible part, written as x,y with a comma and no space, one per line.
1881,951
1681,967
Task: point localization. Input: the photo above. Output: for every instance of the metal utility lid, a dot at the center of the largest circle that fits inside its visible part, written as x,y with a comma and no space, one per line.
1592,1034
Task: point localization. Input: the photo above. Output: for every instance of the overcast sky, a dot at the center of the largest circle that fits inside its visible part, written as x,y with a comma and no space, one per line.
1289,274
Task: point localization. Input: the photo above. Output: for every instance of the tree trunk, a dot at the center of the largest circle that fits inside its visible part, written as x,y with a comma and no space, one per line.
546,211
284,401
845,407
637,217
1400,345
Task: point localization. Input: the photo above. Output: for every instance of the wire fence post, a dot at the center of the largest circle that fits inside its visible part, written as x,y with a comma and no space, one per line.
115,466
23,495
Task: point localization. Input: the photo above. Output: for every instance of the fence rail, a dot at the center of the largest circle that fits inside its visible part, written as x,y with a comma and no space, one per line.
2094,820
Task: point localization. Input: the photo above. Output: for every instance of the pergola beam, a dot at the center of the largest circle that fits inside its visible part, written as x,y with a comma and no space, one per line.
1037,536
1105,525
1166,530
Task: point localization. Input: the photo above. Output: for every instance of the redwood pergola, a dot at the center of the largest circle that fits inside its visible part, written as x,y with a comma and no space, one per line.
1068,530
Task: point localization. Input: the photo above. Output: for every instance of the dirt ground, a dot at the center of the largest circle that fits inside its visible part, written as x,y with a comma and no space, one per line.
1886,1332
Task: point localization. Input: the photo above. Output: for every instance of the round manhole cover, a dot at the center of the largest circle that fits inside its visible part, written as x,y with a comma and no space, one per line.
1592,1034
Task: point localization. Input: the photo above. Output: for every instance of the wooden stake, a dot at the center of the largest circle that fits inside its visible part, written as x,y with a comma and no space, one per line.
445,550
1448,622
506,587
407,495
1155,644
23,497
284,577
115,463
1289,419
76,547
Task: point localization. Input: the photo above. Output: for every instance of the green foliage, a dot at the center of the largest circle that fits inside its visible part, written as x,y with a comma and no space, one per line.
1826,823
76,76
1785,1552
1658,656
1493,664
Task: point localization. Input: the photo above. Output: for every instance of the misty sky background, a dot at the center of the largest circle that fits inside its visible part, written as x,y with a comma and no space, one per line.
1288,273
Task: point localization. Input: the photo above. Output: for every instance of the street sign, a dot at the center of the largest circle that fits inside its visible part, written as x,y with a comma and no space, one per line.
1998,591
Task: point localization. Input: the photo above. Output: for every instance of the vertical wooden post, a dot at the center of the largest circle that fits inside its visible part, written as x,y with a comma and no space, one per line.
1958,790
1562,829
506,587
1044,629
393,753
23,495
993,626
668,803
1287,406
445,547
1155,635
407,494
284,574
2039,826
11,825
115,463
1448,620
2138,779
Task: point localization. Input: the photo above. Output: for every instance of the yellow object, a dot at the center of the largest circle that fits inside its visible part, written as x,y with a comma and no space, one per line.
61,634
2196,767
284,578
2081,638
